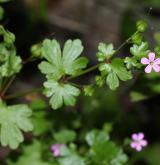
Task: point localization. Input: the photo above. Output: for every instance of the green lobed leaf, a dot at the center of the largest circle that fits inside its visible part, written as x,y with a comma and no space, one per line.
130,62
118,67
96,136
105,51
13,119
119,159
140,51
103,152
112,81
60,93
60,64
72,50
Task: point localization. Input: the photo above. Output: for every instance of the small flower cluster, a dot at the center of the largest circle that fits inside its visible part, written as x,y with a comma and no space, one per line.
138,141
55,149
152,63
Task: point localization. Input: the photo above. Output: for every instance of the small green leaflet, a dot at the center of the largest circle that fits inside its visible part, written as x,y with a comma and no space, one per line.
13,119
59,64
116,71
88,90
105,51
130,62
112,81
139,51
60,93
118,67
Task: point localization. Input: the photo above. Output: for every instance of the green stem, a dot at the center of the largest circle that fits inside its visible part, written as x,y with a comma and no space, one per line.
7,86
126,42
85,71
20,94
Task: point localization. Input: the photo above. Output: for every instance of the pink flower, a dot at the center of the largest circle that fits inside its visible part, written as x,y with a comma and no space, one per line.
151,62
138,141
55,149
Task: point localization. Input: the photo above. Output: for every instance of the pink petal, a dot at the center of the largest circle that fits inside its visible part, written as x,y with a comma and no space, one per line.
151,56
138,148
156,67
54,147
134,136
145,61
140,136
143,143
133,144
56,153
148,69
157,61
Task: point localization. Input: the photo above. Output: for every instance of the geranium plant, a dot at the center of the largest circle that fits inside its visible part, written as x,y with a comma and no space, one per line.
61,66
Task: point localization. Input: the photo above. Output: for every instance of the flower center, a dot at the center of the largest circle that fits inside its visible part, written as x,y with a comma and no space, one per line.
151,63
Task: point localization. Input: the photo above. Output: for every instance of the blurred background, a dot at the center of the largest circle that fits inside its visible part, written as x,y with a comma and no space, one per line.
133,108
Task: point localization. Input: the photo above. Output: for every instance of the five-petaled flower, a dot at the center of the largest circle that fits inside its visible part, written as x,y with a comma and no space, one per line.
152,63
55,149
138,141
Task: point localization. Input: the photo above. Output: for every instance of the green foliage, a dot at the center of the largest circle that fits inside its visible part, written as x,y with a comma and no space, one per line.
120,159
60,93
116,70
136,96
105,51
112,81
10,63
139,51
65,136
100,81
31,156
70,157
13,119
40,123
137,38
130,62
141,25
82,146
58,65
96,136
88,90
